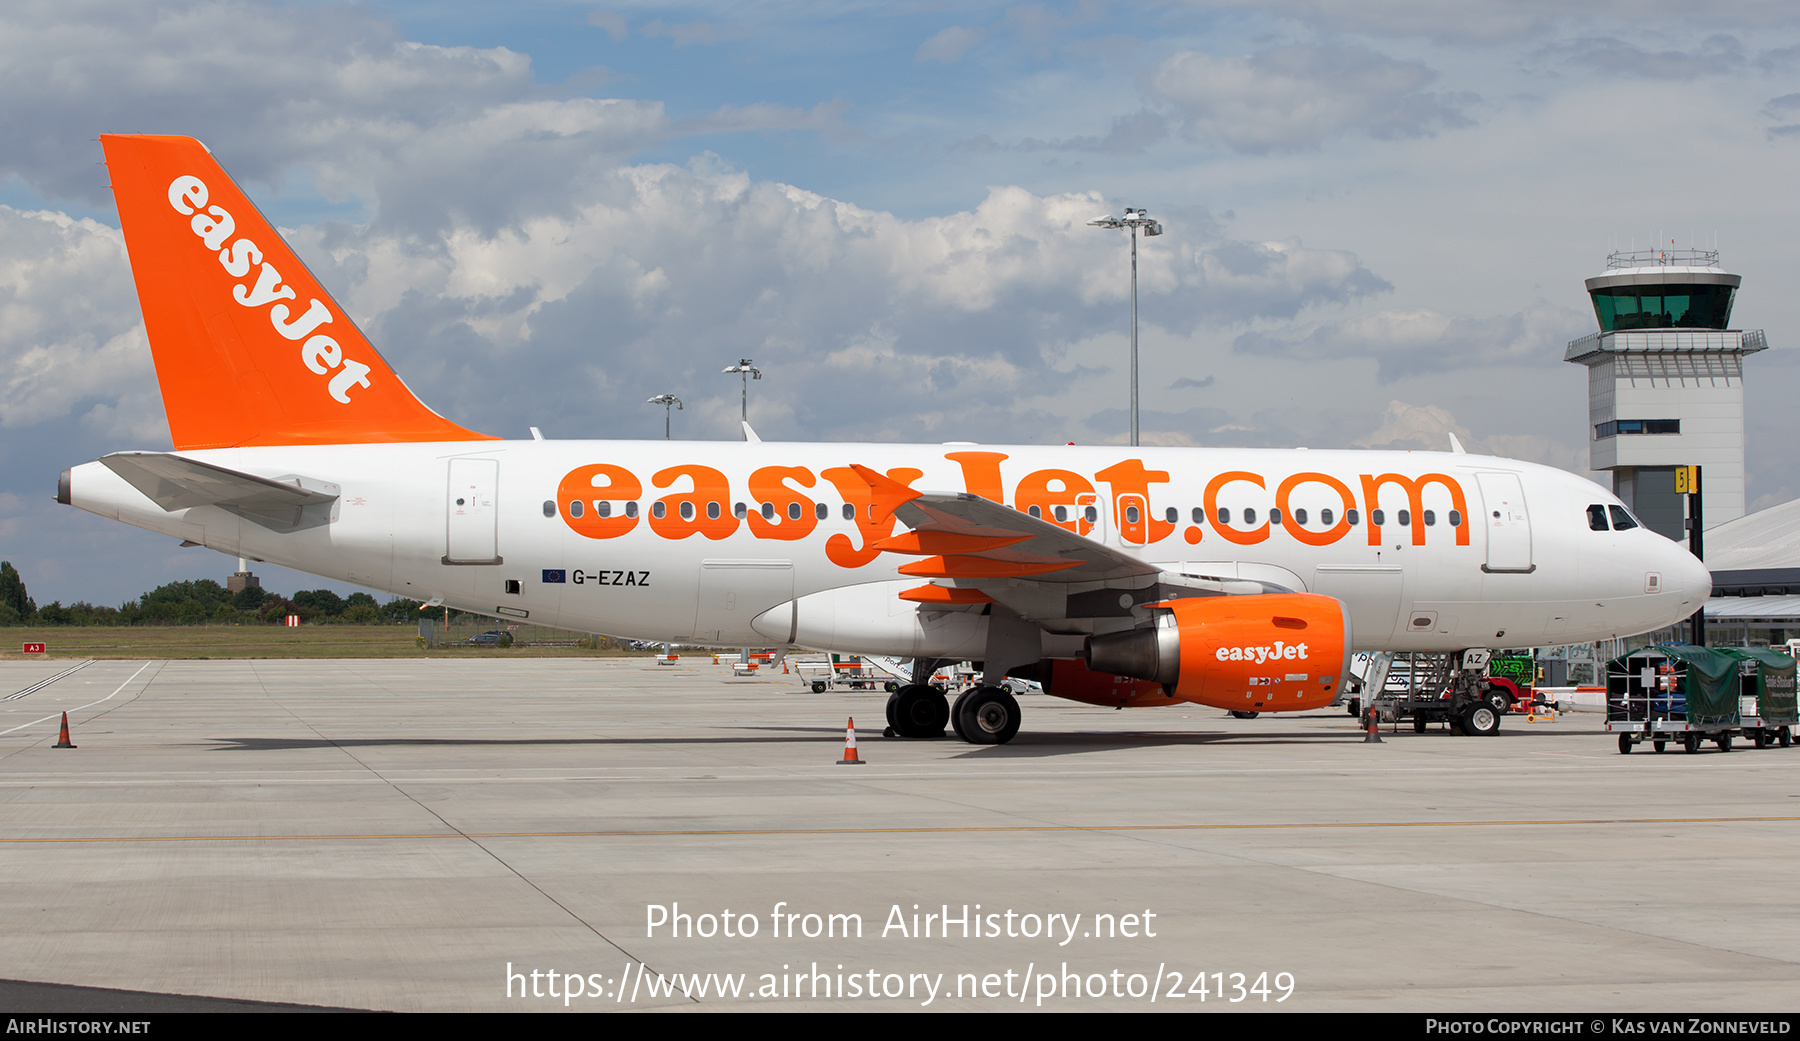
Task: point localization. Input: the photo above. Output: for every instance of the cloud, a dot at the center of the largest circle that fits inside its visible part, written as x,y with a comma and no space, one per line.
688,34
71,338
1291,98
611,21
1186,382
1717,54
1130,134
1417,342
949,45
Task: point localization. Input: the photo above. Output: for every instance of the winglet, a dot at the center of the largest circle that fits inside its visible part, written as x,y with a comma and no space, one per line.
1455,445
249,347
887,494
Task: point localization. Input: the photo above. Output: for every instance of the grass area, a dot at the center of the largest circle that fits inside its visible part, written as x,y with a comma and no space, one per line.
256,641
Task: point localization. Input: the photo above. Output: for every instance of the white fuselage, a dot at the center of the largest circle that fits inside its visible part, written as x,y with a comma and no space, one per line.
1507,559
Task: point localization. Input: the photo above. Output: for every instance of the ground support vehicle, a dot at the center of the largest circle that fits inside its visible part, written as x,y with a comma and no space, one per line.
843,672
1676,693
1434,687
1766,701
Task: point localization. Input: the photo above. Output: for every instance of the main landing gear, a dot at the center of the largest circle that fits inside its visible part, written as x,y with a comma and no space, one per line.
981,715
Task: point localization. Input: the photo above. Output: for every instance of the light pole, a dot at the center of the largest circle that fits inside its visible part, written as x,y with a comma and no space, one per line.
669,402
1133,219
749,372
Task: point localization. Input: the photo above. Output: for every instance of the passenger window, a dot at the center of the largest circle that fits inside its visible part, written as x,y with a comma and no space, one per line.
793,511
1324,518
821,511
1622,521
712,511
575,508
657,509
1199,515
1597,518
1377,517
768,511
1430,518
1224,515
1455,519
603,508
1036,511
1249,515
740,511
849,512
631,509
549,508
1351,517
1062,514
1092,513
1299,516
1274,516
1131,514
1172,515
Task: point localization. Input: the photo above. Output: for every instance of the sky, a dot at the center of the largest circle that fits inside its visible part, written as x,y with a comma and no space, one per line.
1378,216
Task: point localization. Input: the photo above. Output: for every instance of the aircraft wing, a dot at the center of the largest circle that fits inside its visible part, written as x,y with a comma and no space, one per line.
176,482
974,551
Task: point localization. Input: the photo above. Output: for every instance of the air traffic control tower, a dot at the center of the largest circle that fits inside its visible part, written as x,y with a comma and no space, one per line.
1666,383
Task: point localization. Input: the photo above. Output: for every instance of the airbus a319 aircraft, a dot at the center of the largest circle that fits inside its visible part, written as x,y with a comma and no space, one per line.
1235,578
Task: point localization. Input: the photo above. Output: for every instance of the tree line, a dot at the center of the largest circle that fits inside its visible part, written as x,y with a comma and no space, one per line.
201,602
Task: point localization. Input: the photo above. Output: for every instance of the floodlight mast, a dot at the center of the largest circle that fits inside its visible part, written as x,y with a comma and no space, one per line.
1133,219
748,371
669,402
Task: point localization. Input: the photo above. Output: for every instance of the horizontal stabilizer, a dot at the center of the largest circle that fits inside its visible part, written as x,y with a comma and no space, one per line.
177,483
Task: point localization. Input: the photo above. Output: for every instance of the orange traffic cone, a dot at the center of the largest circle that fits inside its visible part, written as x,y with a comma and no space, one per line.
1373,735
64,742
850,745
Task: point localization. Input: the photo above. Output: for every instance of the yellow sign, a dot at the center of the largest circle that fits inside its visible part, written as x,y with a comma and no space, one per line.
1687,480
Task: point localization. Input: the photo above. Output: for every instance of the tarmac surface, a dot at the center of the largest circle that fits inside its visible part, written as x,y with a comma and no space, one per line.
431,834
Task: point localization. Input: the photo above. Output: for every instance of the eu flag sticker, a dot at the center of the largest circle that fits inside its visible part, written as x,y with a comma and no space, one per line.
558,575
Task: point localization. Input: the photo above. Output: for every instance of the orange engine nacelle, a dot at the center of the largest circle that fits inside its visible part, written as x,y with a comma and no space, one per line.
1274,652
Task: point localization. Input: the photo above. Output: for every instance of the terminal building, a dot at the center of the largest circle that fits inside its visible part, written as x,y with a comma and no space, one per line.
1666,383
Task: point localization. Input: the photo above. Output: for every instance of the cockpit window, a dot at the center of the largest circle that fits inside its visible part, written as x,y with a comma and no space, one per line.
1597,517
1622,520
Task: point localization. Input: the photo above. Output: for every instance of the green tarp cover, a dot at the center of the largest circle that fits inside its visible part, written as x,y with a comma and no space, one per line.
1775,683
1711,684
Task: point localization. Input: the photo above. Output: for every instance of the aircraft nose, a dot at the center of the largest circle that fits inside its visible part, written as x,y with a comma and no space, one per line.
1689,578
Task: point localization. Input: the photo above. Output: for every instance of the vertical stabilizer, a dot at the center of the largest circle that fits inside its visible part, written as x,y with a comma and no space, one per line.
249,348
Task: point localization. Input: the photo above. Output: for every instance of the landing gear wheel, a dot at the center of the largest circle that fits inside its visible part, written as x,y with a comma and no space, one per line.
988,716
1238,713
818,686
1481,720
893,700
1658,745
1624,744
956,714
919,711
1690,743
1418,724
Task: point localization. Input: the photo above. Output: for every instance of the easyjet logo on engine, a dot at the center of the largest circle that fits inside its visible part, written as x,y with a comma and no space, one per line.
319,352
1261,654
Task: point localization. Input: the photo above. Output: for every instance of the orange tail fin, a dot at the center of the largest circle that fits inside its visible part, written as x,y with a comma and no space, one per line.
249,348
